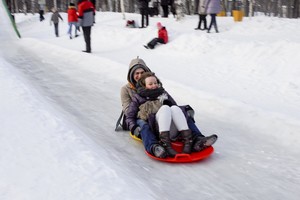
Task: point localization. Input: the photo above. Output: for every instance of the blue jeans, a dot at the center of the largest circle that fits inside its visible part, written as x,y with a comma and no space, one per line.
148,137
195,131
70,28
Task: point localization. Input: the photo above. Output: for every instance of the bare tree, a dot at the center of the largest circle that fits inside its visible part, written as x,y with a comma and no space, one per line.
24,7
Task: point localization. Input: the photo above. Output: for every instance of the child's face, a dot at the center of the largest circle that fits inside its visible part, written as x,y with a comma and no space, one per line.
151,83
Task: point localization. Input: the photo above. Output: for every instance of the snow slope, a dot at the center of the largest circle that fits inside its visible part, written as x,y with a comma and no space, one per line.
59,107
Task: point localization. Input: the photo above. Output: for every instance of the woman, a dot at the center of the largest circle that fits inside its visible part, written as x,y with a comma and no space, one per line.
213,7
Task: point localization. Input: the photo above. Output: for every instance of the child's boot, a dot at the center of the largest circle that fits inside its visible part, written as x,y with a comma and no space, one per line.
201,142
166,142
187,141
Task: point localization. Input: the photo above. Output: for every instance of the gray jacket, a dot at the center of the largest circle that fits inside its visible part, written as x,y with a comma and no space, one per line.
55,17
201,7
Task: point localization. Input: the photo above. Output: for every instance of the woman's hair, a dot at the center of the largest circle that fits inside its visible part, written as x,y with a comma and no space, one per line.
145,75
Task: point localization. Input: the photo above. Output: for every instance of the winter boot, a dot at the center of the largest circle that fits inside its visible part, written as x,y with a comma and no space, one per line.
201,143
158,151
187,141
166,142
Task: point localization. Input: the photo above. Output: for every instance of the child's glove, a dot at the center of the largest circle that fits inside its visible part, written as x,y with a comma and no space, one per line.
162,98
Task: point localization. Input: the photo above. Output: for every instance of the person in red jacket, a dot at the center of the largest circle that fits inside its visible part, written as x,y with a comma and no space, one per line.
162,37
72,19
86,19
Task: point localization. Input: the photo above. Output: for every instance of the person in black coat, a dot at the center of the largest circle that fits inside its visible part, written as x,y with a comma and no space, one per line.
165,7
144,10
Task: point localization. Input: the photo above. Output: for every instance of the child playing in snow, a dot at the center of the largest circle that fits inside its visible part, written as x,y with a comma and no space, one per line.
55,19
162,37
72,19
154,105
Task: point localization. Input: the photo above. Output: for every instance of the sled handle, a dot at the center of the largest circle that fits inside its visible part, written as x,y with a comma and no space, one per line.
182,156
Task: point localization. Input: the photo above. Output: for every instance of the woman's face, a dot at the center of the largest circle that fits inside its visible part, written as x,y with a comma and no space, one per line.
138,73
151,83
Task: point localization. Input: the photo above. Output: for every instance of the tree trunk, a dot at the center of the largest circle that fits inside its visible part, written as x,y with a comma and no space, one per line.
296,9
16,6
179,6
24,7
251,13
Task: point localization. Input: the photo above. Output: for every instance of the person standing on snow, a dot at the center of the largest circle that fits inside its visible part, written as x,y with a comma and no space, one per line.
202,15
213,7
165,7
55,19
72,19
162,37
86,18
144,10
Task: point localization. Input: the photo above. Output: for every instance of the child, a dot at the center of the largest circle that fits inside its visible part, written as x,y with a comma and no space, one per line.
153,103
72,19
162,37
55,19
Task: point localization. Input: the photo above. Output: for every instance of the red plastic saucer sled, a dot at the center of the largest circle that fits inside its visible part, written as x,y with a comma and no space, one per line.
181,158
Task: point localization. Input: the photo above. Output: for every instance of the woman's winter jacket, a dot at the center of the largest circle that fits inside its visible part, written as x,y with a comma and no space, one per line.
213,6
72,14
140,107
163,34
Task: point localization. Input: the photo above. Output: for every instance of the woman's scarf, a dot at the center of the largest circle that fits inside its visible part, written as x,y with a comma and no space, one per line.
150,94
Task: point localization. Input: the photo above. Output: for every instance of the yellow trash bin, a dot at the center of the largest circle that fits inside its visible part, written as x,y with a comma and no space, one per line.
221,14
237,15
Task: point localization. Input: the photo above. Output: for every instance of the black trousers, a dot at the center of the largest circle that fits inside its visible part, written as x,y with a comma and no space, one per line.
202,18
154,42
87,37
165,10
56,29
213,22
145,16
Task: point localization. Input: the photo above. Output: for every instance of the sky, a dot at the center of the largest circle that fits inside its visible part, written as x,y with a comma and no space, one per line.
59,107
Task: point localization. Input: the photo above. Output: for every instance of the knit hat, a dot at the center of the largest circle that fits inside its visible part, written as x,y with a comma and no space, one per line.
159,26
72,4
134,65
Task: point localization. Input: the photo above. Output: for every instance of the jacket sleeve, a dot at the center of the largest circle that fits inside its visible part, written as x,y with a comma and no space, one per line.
170,98
125,98
131,113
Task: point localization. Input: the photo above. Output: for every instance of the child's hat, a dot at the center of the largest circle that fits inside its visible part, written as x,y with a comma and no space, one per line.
159,26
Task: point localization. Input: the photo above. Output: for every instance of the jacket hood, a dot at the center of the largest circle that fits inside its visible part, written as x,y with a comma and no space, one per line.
134,65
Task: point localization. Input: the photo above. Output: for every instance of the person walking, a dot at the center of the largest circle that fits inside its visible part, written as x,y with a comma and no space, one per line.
86,19
202,15
55,19
41,12
213,7
72,19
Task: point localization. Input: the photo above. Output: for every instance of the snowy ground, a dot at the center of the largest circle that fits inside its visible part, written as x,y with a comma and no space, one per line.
59,107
